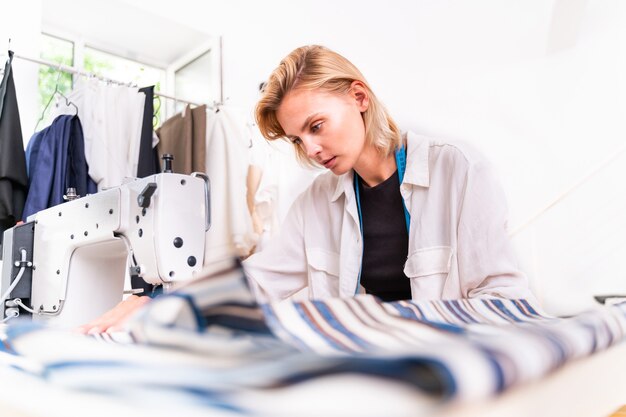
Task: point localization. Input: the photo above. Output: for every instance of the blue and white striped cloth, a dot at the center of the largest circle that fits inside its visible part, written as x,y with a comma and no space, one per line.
210,345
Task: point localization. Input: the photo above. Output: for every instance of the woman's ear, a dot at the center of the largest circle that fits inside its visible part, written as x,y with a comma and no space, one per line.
360,94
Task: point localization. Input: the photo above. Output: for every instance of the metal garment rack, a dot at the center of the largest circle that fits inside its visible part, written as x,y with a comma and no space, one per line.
73,70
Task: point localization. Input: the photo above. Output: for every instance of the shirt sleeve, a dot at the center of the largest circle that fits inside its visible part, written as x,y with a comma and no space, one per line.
280,270
486,260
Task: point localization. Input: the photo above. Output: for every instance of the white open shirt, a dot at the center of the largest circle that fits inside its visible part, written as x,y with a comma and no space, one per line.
458,242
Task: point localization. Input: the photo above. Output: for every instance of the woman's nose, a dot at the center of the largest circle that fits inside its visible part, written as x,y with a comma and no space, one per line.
311,147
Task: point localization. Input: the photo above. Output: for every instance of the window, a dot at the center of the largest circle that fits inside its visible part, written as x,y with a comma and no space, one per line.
192,77
193,81
122,69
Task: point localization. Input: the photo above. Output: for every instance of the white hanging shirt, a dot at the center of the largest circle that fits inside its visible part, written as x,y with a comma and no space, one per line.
227,160
111,117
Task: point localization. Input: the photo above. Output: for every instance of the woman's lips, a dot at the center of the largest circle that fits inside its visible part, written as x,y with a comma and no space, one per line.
330,162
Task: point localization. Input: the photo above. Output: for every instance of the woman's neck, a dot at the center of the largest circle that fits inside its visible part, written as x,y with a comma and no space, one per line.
373,167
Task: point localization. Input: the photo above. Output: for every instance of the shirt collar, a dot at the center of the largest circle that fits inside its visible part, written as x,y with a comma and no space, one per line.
417,168
344,185
417,161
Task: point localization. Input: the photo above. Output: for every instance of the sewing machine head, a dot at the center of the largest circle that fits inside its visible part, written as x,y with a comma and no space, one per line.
67,265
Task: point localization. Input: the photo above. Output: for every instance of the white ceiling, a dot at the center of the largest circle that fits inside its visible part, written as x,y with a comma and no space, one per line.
119,27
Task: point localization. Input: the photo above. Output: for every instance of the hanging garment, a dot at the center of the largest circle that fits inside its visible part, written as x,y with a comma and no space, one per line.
175,138
198,151
262,183
32,149
13,177
184,136
283,179
227,160
112,120
57,162
123,115
148,163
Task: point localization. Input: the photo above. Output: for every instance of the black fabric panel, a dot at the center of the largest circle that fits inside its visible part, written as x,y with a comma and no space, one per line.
13,177
148,163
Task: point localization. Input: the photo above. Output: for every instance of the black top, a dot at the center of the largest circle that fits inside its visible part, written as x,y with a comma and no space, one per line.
385,240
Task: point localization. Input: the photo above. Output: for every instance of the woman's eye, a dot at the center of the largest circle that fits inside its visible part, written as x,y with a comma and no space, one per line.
296,141
316,127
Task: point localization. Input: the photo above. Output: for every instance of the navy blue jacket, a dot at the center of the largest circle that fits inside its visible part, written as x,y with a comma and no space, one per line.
56,162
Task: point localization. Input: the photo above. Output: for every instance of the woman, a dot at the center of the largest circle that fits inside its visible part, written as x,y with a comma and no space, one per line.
398,216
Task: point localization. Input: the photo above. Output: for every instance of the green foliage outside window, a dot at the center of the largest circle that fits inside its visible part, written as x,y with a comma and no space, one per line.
52,79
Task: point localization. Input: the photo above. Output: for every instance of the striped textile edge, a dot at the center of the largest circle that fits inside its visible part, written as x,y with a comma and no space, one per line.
488,345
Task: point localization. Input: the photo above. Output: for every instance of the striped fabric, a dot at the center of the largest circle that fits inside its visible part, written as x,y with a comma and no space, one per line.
484,345
209,345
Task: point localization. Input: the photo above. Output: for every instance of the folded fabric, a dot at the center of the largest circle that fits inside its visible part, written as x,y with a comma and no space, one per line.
208,344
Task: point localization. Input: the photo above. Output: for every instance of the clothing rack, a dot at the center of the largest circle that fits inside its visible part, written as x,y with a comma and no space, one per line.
73,70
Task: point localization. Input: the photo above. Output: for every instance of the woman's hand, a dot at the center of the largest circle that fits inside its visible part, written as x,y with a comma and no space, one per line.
114,319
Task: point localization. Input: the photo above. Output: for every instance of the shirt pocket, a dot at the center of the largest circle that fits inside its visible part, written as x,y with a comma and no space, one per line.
323,271
428,268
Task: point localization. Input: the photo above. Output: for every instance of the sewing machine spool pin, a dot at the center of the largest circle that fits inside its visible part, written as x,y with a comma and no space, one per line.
167,162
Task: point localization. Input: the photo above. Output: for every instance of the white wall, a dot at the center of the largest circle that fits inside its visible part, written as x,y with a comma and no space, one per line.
21,21
538,85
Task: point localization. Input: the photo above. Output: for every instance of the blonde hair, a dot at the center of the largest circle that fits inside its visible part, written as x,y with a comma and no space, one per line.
317,67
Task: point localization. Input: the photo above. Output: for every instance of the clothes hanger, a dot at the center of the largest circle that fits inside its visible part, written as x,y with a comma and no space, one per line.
56,91
217,105
69,102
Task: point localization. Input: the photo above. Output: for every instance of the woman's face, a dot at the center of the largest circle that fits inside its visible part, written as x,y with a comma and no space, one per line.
328,126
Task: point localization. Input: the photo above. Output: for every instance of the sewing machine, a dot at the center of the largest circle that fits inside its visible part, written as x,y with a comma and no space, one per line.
67,264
